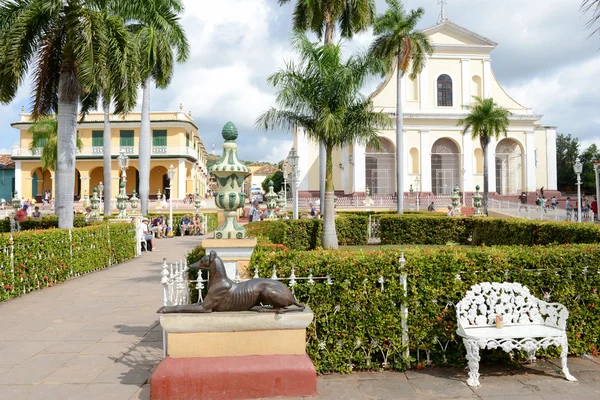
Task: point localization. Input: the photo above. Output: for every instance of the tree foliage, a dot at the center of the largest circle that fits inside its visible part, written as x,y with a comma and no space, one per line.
45,136
277,178
588,179
567,150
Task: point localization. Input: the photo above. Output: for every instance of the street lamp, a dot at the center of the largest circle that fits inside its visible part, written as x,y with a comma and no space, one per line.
171,175
123,164
578,168
417,181
293,160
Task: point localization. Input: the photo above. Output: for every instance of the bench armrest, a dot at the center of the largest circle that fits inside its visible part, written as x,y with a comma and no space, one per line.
555,314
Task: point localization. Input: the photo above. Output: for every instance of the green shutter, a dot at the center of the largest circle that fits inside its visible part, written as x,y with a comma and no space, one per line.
97,138
159,138
187,140
126,139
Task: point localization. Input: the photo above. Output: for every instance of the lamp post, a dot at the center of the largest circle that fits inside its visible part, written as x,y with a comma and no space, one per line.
293,160
417,181
123,161
123,164
171,175
410,195
578,168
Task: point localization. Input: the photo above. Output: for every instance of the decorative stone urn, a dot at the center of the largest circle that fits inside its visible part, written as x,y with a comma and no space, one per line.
134,202
455,199
122,201
271,197
477,201
230,174
95,206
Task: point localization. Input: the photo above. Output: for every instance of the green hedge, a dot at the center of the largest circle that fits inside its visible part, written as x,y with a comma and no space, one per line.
305,234
47,257
47,222
357,325
411,229
436,229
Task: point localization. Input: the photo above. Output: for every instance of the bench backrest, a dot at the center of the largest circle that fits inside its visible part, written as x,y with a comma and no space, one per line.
486,300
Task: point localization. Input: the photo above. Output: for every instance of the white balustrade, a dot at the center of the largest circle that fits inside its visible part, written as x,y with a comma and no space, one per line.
99,151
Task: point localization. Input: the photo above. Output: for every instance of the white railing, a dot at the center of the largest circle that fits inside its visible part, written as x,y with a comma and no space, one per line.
519,210
99,151
386,201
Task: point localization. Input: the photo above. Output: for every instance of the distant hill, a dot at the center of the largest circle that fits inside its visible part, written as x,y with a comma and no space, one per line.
213,159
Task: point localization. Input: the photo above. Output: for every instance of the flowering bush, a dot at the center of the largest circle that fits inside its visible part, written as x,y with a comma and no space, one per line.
44,258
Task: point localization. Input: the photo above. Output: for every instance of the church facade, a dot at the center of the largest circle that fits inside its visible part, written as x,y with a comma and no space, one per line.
438,157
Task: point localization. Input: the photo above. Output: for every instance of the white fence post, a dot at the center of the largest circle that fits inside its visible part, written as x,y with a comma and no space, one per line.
404,309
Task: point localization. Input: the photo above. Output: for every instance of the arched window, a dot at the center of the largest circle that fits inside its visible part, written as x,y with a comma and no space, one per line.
444,91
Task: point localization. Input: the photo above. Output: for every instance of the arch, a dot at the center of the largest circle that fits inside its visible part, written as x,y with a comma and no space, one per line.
157,180
444,91
133,180
509,167
97,176
445,166
189,179
380,167
476,86
77,190
37,182
478,154
414,158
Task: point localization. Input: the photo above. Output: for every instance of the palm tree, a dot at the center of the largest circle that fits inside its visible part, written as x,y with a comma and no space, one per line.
158,34
45,137
63,41
321,17
322,94
592,6
405,49
486,120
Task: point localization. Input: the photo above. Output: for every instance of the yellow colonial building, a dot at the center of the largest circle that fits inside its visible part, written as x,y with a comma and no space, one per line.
438,157
175,141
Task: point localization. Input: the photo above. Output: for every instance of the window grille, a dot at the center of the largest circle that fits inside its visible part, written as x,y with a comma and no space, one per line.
444,91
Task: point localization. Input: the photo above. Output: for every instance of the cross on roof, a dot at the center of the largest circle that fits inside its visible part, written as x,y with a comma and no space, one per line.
442,4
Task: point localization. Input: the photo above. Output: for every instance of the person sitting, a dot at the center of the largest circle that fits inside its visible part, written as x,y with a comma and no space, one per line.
146,234
450,211
37,214
88,213
185,225
313,211
157,227
196,225
431,207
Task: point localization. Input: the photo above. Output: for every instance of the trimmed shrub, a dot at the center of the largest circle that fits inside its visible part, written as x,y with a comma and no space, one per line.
47,222
46,257
357,321
421,229
305,234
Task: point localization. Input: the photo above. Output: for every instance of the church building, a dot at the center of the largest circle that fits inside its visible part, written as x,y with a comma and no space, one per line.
438,156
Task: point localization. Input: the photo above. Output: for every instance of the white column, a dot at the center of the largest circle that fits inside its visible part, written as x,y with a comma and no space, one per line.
468,163
551,158
181,180
487,79
359,181
425,154
530,161
18,179
492,165
424,88
466,81
305,158
345,172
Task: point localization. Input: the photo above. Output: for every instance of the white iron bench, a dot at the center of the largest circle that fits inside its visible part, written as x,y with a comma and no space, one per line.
529,323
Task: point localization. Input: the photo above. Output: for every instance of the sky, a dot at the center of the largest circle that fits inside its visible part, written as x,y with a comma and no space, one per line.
545,59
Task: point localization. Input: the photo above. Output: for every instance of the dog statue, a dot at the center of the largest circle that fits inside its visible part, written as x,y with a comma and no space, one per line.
227,295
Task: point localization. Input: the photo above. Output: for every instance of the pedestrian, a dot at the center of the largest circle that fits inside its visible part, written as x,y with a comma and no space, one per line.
255,214
594,207
523,199
568,208
20,216
542,191
146,234
431,207
450,211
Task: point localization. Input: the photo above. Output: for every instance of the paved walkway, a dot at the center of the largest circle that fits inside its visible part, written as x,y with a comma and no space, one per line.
97,337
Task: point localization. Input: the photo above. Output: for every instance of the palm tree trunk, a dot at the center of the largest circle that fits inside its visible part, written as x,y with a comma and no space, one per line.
399,142
329,240
144,154
106,151
485,178
68,94
328,38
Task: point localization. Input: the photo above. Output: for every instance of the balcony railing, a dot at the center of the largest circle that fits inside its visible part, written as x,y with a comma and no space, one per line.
129,150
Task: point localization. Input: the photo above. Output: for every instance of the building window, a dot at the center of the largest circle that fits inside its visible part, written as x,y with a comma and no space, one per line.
444,91
97,138
159,138
126,138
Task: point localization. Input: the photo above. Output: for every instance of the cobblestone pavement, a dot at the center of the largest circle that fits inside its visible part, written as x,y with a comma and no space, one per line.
97,337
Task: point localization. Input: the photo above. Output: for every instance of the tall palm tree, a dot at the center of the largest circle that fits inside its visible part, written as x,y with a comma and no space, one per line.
158,34
63,41
405,49
321,17
593,7
119,74
45,137
322,94
486,120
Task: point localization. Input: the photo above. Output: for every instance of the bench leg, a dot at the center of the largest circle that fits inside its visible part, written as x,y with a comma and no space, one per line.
563,359
473,361
531,356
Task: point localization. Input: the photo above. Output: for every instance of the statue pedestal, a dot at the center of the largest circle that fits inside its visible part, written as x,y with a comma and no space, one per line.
235,253
234,355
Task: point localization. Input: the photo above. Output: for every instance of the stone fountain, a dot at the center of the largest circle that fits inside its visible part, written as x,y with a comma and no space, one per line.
230,240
